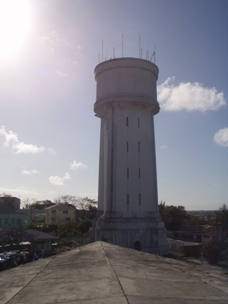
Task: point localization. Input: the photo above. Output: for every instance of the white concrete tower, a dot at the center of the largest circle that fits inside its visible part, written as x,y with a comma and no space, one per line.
126,103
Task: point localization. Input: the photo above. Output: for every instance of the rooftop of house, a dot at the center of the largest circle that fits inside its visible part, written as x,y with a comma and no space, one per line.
39,235
30,234
60,207
104,273
199,229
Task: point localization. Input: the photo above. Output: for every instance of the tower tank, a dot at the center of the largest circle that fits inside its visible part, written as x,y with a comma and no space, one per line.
126,102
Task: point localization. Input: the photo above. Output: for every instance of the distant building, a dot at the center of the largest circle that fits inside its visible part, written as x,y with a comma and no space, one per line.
11,219
11,201
32,213
59,214
189,249
41,241
197,233
33,239
40,217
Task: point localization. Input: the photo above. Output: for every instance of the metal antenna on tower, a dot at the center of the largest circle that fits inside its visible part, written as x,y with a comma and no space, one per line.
122,45
139,47
155,53
102,50
147,55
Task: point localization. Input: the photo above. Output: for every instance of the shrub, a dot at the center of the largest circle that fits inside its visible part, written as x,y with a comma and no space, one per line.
84,226
212,252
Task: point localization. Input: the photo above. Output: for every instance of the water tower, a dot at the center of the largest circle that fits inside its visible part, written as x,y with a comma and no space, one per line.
126,103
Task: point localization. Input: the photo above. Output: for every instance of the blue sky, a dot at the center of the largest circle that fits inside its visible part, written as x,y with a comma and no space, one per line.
49,136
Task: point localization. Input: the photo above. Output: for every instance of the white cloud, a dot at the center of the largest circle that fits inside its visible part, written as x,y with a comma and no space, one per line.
51,151
27,148
59,181
10,136
189,96
61,74
52,193
221,137
18,146
164,147
43,38
27,172
55,36
79,165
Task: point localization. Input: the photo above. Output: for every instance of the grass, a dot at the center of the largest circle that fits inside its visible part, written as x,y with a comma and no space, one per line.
176,255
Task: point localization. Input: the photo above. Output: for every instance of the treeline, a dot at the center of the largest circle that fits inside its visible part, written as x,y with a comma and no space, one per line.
80,203
66,230
176,217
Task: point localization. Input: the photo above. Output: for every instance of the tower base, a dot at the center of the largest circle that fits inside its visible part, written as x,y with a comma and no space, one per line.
144,234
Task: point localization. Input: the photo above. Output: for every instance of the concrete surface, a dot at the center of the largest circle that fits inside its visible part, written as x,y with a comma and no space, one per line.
105,273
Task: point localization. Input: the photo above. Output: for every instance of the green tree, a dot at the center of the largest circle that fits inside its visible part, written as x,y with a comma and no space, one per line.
217,251
195,220
173,216
71,200
212,252
222,216
84,226
69,229
40,204
161,208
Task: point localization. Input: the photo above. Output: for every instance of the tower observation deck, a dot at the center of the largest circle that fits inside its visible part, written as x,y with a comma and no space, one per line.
126,103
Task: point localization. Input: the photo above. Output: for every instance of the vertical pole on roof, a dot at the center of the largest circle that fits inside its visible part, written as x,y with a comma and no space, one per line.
102,50
122,45
217,228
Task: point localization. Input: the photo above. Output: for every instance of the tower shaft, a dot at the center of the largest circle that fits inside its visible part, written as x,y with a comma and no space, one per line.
127,197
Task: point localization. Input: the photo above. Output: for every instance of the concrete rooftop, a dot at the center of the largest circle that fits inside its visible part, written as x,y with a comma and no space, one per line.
104,273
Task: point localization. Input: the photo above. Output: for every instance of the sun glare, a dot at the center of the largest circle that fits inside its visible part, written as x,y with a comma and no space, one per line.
15,20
